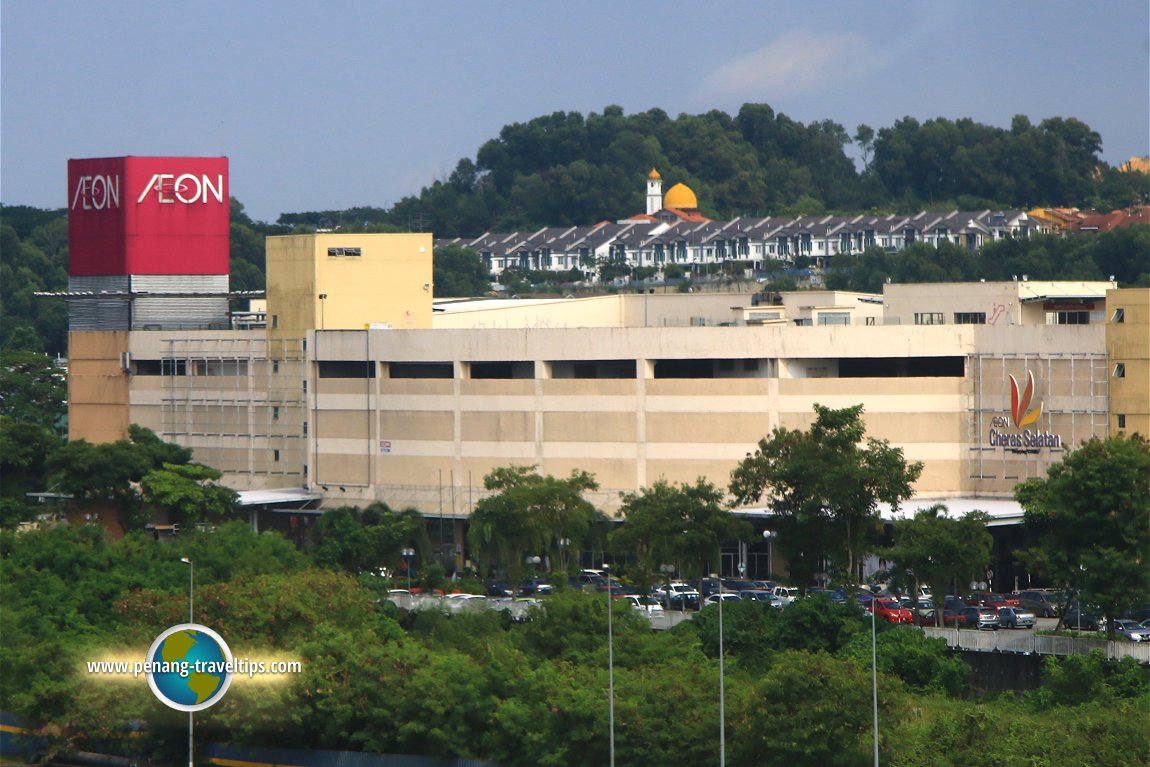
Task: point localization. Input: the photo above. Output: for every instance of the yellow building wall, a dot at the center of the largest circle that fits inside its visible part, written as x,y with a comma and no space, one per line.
389,284
1128,343
98,408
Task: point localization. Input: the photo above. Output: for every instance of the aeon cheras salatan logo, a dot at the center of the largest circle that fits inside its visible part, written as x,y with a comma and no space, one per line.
1026,440
1019,403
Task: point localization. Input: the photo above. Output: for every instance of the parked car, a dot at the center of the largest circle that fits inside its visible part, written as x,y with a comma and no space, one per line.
761,585
891,611
1082,618
786,594
1131,630
456,603
978,618
680,595
838,596
726,596
1016,618
760,595
649,605
1042,602
992,600
497,588
951,602
533,588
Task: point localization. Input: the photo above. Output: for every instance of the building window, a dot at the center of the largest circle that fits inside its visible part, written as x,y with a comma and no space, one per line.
276,456
870,320
275,412
275,321
1121,420
344,252
1068,318
970,318
834,318
1119,316
275,367
928,318
305,428
1119,369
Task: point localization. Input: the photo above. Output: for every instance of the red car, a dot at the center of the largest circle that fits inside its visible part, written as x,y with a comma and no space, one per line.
891,611
993,601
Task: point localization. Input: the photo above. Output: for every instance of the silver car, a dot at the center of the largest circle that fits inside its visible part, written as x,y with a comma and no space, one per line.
1016,618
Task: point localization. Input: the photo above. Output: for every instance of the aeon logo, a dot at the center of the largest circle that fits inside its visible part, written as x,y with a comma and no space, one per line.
1019,403
96,192
185,188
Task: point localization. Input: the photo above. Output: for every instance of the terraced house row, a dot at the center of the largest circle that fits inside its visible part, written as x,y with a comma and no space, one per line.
674,232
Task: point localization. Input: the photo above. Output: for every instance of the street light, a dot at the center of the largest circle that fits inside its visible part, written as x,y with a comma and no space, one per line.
407,555
667,570
722,696
769,535
191,602
874,679
563,543
610,668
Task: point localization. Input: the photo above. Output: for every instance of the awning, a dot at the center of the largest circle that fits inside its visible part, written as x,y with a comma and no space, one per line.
277,496
1002,511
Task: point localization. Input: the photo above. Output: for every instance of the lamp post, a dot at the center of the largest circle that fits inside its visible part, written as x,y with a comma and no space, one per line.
874,680
769,535
407,555
722,696
563,543
667,570
610,669
191,602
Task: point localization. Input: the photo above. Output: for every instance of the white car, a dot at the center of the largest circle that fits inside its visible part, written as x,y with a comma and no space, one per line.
786,594
726,596
649,605
680,594
456,603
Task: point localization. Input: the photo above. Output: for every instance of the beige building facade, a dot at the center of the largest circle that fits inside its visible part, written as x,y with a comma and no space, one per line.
362,396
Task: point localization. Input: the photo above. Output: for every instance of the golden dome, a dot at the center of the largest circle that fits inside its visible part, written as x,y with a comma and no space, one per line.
680,196
654,175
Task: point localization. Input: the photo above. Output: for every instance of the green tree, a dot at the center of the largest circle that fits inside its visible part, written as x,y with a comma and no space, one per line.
813,709
33,390
825,487
459,271
367,540
190,492
532,514
1090,521
940,550
681,524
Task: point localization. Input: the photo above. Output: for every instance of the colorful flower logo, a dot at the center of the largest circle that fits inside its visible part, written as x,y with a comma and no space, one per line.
1020,403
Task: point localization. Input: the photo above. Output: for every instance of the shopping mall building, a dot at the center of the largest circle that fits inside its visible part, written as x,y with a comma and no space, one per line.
354,385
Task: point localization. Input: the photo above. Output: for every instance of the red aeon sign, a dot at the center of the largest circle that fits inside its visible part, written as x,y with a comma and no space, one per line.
148,215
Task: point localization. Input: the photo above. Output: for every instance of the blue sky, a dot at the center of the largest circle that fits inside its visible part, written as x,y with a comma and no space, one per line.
337,104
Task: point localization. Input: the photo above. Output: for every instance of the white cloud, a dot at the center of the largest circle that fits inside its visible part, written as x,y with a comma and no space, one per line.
798,62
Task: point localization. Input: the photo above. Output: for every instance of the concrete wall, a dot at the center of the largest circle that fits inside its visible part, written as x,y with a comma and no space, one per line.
98,385
1128,343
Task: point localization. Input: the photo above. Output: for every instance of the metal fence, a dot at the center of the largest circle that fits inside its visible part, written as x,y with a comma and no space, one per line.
1030,643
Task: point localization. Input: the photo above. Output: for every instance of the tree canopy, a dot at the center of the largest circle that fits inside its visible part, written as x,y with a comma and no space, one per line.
825,488
1090,521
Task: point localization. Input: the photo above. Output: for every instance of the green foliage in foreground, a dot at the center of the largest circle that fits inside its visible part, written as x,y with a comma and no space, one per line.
797,682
